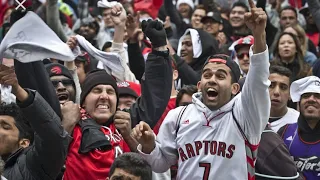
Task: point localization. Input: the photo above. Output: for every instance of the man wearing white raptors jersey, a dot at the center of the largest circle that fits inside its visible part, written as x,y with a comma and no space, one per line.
217,136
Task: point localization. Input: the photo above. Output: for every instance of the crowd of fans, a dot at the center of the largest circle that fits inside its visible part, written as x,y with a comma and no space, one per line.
159,90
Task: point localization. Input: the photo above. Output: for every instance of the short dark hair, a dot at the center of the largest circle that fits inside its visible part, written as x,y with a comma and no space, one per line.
289,8
187,89
241,4
281,70
132,163
12,110
106,45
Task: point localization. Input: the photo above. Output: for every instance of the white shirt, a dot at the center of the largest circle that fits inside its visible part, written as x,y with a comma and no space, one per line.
289,118
209,142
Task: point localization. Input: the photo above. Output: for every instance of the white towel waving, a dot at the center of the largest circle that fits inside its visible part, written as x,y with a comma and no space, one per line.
107,4
110,60
30,39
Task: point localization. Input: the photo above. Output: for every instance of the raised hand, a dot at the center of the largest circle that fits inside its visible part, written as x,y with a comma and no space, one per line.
72,42
145,136
122,121
167,23
8,76
155,31
256,19
71,115
118,15
132,28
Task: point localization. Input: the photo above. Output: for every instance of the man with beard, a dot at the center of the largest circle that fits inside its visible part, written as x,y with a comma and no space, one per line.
63,82
302,138
220,130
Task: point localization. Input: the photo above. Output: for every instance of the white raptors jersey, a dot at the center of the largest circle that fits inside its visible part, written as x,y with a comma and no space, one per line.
208,144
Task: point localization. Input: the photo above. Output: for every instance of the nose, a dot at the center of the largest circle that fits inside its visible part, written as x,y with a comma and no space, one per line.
212,81
311,98
122,106
61,87
276,91
246,57
104,96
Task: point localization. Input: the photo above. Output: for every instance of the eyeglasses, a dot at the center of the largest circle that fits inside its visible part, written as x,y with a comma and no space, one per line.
241,55
65,82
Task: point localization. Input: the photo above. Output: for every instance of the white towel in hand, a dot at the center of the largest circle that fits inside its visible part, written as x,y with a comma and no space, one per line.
30,39
107,4
109,61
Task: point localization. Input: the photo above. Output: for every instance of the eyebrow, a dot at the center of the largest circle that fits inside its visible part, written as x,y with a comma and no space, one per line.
219,70
122,177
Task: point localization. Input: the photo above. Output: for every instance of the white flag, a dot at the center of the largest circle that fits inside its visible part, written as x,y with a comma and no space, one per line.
30,39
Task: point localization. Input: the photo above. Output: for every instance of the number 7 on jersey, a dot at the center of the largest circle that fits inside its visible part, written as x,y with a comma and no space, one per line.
207,167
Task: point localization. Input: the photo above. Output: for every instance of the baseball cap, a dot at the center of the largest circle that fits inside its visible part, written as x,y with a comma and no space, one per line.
213,16
83,57
245,41
129,88
225,59
56,69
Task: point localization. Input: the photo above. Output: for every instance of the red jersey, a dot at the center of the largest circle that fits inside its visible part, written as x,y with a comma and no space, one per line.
171,105
96,164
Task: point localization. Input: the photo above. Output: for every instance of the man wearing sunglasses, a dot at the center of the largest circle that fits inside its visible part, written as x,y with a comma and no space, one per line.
62,81
242,48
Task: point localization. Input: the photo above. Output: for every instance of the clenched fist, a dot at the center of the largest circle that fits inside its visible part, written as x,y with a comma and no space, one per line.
155,31
122,121
70,115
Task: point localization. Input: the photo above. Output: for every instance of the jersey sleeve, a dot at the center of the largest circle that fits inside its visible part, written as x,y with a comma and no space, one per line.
252,108
165,153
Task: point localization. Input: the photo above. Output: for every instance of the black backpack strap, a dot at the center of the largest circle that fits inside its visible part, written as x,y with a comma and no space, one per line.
179,117
239,127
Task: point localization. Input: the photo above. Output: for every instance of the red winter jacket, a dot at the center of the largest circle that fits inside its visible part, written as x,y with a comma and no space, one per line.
96,164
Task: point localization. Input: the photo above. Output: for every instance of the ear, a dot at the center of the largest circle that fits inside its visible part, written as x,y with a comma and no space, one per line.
220,27
24,143
199,86
235,88
175,75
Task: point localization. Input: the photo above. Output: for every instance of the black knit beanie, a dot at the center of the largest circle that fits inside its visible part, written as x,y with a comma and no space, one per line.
94,78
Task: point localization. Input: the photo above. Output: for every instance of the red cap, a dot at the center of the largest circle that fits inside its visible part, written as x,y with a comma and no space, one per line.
134,86
248,40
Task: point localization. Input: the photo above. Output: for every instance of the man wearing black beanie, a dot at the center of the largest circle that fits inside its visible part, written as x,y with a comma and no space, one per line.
103,132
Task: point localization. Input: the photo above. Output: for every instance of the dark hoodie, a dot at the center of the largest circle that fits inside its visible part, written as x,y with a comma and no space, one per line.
191,73
274,158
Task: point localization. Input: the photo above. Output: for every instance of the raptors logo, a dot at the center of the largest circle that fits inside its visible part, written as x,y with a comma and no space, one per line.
56,70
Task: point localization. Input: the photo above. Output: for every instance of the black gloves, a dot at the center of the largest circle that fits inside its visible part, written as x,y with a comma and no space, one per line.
155,31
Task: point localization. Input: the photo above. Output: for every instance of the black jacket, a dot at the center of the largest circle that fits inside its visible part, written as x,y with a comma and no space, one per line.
156,85
273,157
44,158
